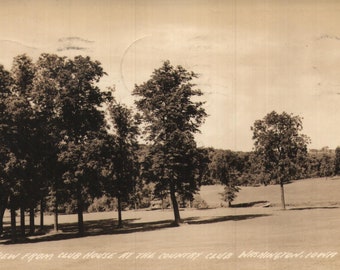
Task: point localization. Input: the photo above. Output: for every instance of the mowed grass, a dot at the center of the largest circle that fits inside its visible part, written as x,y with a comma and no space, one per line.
220,238
309,192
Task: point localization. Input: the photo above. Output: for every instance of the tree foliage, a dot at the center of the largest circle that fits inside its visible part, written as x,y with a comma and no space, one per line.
280,145
226,167
122,160
81,124
171,119
58,149
7,157
337,161
52,130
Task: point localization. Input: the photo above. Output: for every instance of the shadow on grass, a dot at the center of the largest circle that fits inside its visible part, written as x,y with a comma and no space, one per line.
199,220
248,204
109,227
313,208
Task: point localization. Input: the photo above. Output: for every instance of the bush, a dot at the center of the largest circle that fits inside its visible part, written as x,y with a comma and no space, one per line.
199,203
103,204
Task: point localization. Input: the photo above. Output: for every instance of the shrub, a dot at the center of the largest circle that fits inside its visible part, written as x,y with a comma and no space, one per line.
199,203
103,204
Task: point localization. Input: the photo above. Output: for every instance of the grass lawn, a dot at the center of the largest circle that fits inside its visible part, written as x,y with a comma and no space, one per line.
303,237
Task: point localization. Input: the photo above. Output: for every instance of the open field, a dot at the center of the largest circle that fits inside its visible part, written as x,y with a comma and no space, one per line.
220,238
309,192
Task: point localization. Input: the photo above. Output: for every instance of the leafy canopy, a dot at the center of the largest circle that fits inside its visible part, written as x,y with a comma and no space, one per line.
166,102
172,115
280,145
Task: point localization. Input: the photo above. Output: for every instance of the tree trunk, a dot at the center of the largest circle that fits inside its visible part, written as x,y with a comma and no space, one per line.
120,223
32,225
80,207
22,221
13,225
55,220
283,196
174,202
2,213
42,213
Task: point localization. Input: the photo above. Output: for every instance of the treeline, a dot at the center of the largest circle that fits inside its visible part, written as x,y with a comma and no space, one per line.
58,144
230,168
65,143
245,167
68,146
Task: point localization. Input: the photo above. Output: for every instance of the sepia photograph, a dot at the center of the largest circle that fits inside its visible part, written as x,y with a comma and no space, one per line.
168,134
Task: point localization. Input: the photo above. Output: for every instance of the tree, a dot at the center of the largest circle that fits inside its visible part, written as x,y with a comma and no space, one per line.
327,163
51,130
123,155
5,153
66,99
17,132
50,81
337,161
25,140
225,167
203,162
82,171
171,119
17,136
280,146
81,125
312,165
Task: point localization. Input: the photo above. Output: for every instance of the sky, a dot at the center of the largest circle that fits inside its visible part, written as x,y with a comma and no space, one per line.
252,57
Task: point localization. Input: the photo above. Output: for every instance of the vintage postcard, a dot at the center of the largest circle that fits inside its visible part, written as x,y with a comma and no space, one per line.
167,134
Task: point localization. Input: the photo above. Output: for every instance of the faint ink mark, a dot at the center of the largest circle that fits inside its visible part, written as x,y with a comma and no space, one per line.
325,93
123,56
326,36
73,43
216,93
17,43
71,39
68,48
210,85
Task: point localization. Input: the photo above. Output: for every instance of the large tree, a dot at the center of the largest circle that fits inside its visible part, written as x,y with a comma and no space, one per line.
49,85
82,171
122,166
17,133
171,119
280,146
25,137
66,99
5,151
17,136
81,124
